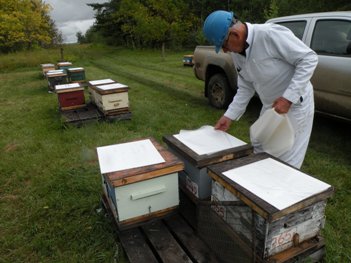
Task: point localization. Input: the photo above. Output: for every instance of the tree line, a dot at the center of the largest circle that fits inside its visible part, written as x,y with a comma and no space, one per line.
25,24
178,23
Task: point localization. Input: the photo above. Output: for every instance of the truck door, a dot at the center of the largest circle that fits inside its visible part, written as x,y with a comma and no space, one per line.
331,40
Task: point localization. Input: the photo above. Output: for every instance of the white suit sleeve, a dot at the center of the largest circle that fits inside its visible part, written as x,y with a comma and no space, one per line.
285,45
241,99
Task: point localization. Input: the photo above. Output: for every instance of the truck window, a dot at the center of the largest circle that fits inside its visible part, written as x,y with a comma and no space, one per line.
332,37
297,27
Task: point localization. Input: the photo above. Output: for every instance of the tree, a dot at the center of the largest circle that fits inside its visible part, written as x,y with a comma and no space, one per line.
178,23
80,38
24,24
272,11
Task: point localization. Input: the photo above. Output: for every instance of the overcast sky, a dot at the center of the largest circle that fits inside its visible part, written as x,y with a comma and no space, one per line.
71,16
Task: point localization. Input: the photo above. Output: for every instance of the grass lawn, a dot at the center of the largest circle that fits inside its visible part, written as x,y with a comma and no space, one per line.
50,185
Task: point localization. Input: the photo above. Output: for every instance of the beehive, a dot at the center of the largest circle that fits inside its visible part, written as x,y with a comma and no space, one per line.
70,96
140,180
76,74
188,60
94,83
56,77
194,178
64,65
47,67
112,98
279,207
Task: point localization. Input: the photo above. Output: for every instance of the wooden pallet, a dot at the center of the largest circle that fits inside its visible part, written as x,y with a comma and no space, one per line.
173,238
218,235
119,117
167,240
81,116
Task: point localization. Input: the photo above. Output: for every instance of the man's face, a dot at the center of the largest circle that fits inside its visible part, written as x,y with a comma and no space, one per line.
233,43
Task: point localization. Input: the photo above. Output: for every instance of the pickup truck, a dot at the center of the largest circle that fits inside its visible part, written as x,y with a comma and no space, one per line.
328,34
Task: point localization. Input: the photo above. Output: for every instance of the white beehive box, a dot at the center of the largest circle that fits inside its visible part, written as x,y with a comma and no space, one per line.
200,148
94,83
111,97
47,67
279,207
140,180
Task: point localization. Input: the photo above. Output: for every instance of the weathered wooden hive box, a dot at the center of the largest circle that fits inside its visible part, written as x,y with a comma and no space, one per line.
47,67
188,60
187,146
112,98
56,77
70,96
64,65
140,180
76,74
92,85
277,208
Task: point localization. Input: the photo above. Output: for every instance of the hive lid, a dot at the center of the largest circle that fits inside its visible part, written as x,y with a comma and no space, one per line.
66,63
269,186
128,155
276,183
135,161
206,145
101,82
55,71
75,69
47,65
112,86
207,140
64,87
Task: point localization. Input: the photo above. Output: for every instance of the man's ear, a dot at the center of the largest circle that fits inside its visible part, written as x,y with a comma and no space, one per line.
235,33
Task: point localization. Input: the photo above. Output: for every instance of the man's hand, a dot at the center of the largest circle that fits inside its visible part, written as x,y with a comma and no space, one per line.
281,105
223,123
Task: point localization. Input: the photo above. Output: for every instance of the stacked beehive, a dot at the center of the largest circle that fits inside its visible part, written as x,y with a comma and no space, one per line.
111,98
56,77
274,212
47,67
280,210
64,65
197,149
93,83
76,74
70,96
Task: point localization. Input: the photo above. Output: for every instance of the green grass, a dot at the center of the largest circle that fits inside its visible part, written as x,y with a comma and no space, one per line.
50,185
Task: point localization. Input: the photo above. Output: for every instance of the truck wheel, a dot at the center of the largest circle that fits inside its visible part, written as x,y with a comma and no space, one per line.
219,92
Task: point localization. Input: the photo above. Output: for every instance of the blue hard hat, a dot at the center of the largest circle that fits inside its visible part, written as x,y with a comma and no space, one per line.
216,27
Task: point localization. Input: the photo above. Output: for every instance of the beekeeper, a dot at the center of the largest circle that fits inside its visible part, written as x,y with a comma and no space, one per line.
275,64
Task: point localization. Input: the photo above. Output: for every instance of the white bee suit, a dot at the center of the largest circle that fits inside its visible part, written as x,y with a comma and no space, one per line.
277,64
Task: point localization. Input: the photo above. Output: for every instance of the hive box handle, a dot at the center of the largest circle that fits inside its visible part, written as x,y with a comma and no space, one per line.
148,192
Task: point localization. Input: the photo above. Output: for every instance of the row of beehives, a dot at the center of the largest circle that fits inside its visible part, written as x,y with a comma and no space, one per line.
110,97
62,73
271,207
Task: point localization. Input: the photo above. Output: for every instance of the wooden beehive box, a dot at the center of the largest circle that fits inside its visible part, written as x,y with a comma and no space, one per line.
188,60
194,178
56,77
94,83
112,98
47,67
140,180
279,207
70,96
76,74
64,65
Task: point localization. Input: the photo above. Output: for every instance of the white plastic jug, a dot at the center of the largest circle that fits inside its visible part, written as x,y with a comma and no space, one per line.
274,132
